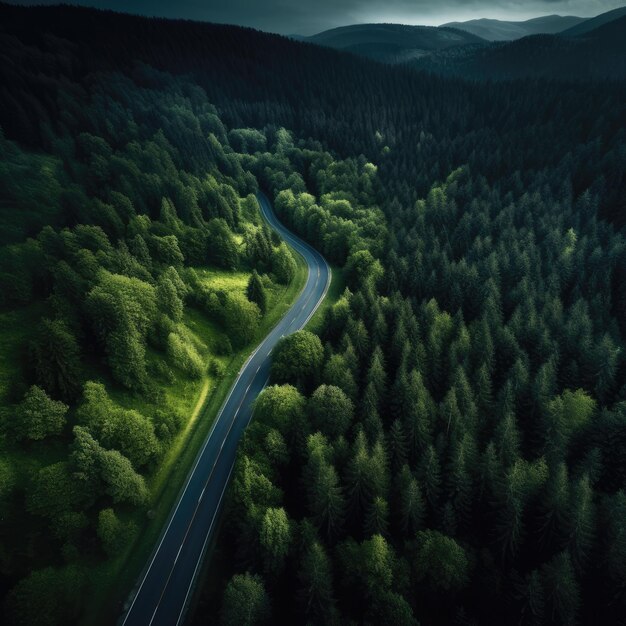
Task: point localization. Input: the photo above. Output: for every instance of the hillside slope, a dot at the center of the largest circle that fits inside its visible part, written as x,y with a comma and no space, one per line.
503,30
601,54
392,43
449,451
595,22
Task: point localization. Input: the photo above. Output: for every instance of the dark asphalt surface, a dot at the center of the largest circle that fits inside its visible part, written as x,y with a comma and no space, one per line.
166,584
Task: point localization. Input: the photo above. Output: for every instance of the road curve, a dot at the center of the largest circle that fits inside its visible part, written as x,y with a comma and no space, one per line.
165,586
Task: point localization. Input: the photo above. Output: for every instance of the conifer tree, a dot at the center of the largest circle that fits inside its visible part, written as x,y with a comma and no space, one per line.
256,291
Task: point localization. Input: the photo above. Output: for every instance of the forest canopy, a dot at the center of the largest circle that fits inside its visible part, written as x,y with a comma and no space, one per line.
448,447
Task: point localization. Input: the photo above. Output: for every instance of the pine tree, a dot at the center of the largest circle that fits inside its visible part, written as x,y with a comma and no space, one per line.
376,520
327,504
555,506
561,588
316,585
256,291
460,479
581,522
397,443
410,503
430,476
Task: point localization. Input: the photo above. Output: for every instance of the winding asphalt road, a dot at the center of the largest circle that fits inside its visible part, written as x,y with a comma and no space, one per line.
165,586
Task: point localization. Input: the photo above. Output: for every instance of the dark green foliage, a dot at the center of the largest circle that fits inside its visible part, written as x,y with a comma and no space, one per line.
48,597
37,416
330,411
325,498
245,602
56,360
316,585
222,250
256,292
113,533
469,464
440,560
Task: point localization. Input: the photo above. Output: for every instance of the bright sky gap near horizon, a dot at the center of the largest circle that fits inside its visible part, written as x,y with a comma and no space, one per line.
307,18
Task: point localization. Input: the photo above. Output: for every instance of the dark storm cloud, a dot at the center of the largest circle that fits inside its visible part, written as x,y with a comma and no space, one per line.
308,17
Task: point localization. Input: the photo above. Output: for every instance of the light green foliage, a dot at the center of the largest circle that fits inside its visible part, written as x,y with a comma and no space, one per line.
115,427
276,448
251,488
98,468
369,565
362,267
168,298
123,484
245,602
241,318
122,311
281,407
275,538
336,372
567,414
298,358
525,478
38,416
184,355
283,264
330,411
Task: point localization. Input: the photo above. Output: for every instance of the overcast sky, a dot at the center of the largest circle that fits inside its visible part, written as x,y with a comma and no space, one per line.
307,17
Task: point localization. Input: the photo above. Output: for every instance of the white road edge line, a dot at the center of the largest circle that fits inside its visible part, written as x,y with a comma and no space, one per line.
299,245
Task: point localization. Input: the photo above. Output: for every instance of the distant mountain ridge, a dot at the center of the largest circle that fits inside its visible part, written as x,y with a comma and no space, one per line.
593,55
595,22
392,43
591,48
503,30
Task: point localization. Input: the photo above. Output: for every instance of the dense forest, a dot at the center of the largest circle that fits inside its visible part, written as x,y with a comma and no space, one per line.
591,55
451,447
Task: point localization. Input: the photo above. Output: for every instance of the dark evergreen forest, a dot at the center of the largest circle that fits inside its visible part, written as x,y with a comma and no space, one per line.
450,448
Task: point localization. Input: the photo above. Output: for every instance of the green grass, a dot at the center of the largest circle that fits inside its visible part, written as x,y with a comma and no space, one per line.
223,280
201,400
210,575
